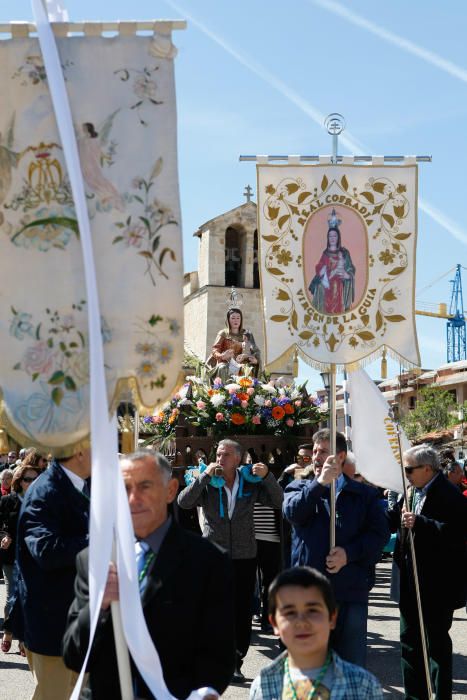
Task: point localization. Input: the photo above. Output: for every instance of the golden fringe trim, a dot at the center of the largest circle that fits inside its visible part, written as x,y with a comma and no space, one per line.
340,367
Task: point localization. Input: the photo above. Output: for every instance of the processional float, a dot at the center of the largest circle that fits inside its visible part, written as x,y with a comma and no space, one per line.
91,307
337,247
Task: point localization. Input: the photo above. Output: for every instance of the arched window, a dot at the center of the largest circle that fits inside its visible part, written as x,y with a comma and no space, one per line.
233,259
255,261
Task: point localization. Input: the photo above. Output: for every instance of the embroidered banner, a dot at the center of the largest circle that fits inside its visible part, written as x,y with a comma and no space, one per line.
337,259
121,91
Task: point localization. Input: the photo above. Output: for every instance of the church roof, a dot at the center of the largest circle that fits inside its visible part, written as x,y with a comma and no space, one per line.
243,207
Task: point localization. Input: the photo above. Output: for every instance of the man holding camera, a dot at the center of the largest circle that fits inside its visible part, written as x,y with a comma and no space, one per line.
227,495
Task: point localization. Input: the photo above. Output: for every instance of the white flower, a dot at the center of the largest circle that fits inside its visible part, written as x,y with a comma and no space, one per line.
269,388
183,391
232,387
217,399
144,88
259,400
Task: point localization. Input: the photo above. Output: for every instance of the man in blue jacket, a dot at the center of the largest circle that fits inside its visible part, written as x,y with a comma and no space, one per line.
52,529
361,533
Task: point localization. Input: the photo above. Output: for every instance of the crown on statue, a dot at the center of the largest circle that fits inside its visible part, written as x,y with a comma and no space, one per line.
234,300
333,220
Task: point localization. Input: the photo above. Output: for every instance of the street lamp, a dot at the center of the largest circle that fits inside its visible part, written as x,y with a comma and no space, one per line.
460,416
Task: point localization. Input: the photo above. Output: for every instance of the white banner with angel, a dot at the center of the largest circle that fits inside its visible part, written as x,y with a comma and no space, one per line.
337,260
122,96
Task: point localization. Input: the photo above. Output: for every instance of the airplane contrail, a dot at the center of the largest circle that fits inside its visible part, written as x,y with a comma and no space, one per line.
429,56
254,67
313,112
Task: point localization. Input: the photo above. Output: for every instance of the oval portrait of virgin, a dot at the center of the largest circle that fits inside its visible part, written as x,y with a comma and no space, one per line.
335,259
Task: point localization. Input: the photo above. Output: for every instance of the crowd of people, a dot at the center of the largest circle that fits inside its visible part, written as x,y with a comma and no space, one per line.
262,547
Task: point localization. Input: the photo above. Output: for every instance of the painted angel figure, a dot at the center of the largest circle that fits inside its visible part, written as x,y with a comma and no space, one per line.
8,160
91,151
333,286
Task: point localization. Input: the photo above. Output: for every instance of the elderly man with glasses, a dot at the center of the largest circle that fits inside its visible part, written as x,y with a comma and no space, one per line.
437,518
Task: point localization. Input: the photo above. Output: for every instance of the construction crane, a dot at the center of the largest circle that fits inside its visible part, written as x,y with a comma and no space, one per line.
455,329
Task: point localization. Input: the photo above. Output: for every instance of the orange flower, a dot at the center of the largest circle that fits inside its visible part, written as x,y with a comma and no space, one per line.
288,408
242,397
237,419
211,392
278,412
174,416
245,382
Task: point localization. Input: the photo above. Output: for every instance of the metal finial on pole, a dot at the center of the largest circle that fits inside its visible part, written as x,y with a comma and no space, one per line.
335,125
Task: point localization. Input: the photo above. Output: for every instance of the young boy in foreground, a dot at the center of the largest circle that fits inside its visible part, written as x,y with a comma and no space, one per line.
302,611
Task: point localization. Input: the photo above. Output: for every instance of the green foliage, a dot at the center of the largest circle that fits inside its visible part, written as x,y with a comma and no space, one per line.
433,412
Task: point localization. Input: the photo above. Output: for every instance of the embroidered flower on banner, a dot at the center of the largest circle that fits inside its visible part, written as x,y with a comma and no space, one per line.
144,87
143,230
154,349
57,358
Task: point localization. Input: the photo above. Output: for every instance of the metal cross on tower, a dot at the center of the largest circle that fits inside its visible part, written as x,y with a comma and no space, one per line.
248,193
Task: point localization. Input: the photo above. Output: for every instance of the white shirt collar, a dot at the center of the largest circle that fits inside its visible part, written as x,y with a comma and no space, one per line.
76,480
232,495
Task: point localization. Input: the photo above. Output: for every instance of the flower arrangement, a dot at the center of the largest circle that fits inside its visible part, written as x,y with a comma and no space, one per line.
245,405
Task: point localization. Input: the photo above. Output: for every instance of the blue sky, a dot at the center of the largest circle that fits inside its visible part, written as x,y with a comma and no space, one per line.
259,76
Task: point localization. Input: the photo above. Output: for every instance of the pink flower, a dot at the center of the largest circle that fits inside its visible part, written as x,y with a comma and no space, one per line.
289,422
220,417
298,402
38,359
244,404
231,390
268,402
250,391
157,419
256,419
217,381
200,405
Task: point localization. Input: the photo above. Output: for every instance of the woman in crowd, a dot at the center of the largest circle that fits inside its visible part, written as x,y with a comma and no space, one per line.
9,511
6,477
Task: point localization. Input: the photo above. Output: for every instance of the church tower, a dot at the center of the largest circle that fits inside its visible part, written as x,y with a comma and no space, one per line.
228,257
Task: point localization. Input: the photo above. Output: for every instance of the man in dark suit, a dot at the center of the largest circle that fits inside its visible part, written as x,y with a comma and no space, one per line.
187,596
52,529
438,521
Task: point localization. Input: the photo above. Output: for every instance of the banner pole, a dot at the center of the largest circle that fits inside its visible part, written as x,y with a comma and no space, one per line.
123,655
426,661
332,448
136,433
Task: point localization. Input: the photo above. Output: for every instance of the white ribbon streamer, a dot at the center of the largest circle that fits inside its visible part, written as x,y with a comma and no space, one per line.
107,508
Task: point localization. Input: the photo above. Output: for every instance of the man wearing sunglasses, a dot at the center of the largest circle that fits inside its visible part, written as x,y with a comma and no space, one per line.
302,468
437,518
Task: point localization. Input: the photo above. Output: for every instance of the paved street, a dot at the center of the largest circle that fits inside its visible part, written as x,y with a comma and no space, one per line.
383,656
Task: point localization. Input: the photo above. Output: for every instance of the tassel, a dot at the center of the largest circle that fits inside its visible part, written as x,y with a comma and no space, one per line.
4,446
295,364
128,438
384,366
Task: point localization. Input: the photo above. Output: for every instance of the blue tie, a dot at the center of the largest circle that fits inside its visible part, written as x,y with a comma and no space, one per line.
142,551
